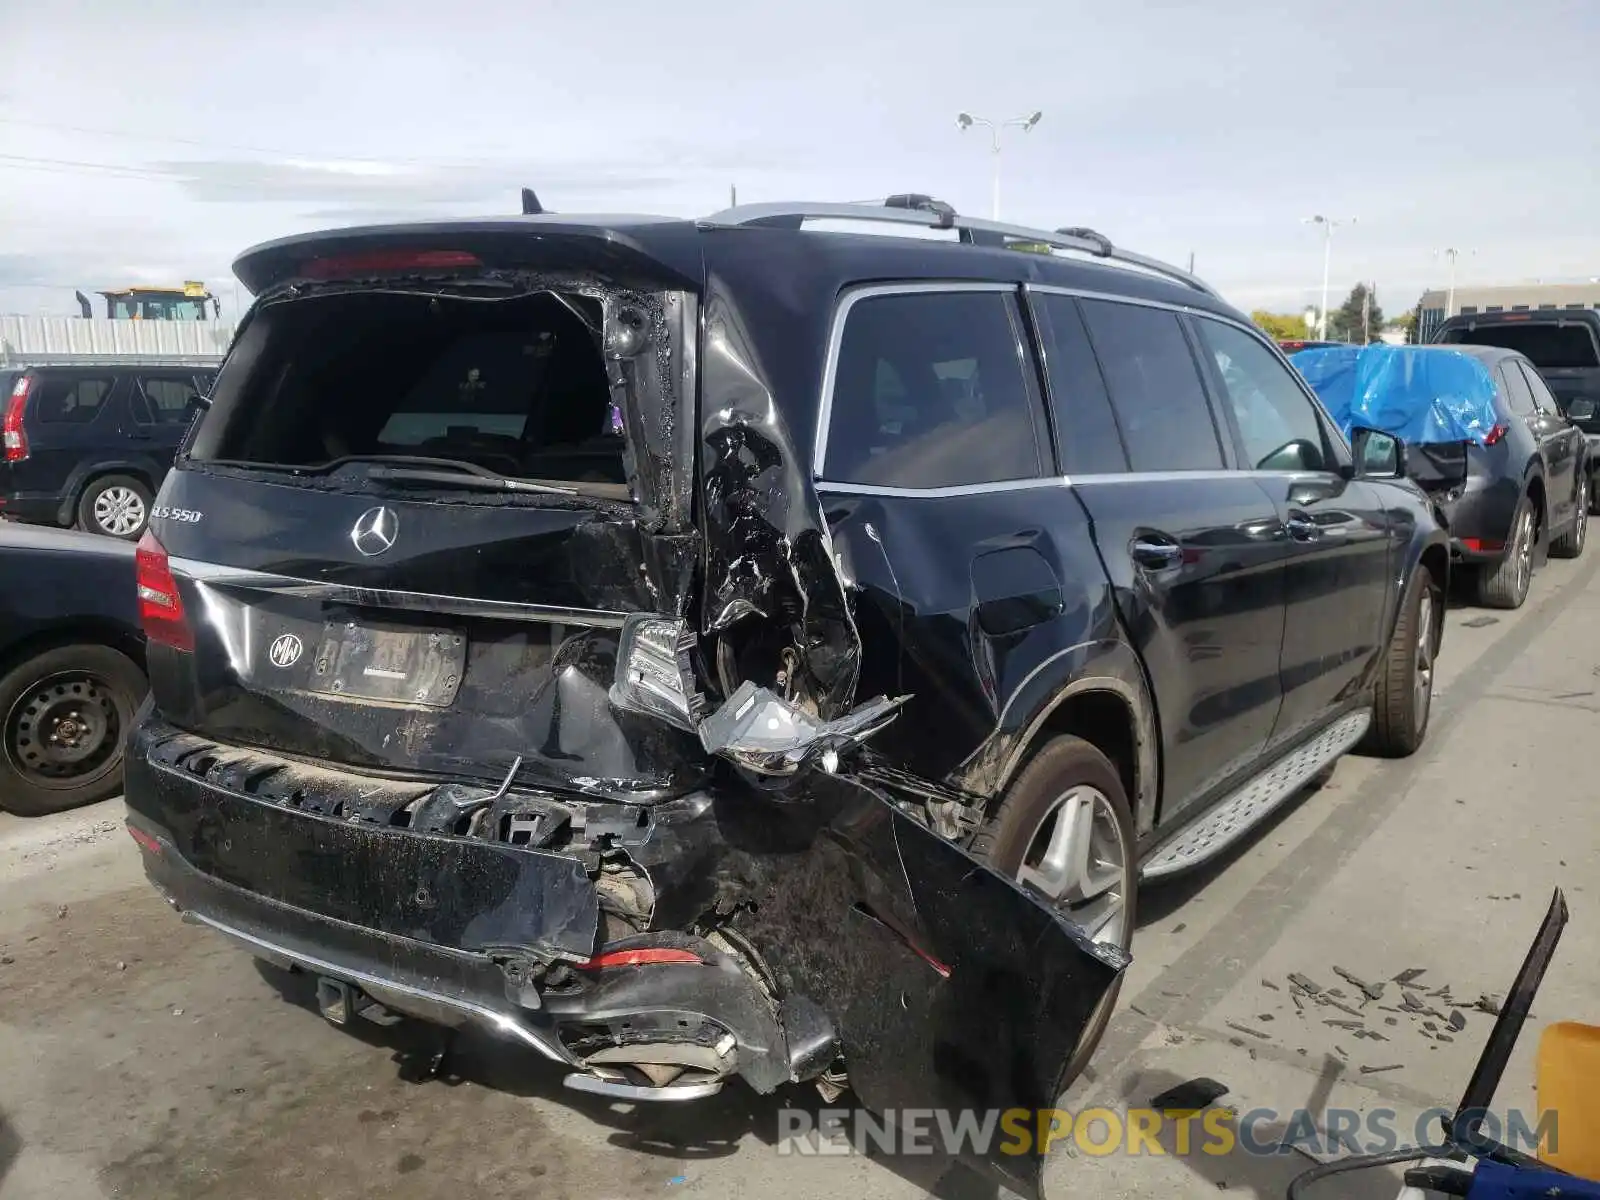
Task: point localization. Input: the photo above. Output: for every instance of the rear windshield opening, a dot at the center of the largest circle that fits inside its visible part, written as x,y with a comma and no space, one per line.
517,387
1551,347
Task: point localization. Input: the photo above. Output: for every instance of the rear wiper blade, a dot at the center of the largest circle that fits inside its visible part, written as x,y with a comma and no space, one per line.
466,480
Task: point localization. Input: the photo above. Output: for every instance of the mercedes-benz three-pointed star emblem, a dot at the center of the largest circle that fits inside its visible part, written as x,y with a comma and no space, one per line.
375,531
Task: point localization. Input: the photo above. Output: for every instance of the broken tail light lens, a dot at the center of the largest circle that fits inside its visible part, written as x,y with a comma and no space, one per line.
14,437
1495,434
160,606
655,674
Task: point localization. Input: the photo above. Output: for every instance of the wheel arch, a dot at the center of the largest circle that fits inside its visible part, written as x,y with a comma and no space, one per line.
90,631
85,476
1098,693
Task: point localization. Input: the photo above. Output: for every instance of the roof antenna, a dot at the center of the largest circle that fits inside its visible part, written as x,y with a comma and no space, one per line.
530,203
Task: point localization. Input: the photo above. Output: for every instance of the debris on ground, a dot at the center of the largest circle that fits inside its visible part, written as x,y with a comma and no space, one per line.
1490,1004
1344,1024
1458,1022
1265,1037
1409,975
1480,622
1190,1095
1305,985
1372,991
1376,1070
1267,983
61,913
1264,1017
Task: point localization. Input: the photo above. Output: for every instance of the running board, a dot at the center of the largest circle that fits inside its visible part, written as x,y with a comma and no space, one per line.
1231,818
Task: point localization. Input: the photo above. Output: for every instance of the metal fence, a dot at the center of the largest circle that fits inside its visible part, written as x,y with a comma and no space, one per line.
26,339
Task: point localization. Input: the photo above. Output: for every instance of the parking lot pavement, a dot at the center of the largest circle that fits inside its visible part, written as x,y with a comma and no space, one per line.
142,1058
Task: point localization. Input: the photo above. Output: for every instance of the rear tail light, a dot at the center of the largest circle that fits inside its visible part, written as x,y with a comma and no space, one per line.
655,673
639,958
160,606
1482,545
12,435
1495,434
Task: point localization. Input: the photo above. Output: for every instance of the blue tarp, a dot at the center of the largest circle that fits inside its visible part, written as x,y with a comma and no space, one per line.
1420,394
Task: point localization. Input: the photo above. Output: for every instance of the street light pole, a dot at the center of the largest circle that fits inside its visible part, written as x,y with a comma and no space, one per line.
1450,295
965,121
1328,226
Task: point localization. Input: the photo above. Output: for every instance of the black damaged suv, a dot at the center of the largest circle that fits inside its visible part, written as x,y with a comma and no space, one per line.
633,634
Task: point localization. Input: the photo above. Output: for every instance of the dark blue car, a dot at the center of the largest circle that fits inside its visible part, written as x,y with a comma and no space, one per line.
88,445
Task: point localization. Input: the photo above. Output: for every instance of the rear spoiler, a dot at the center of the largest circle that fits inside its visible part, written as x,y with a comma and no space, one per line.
645,251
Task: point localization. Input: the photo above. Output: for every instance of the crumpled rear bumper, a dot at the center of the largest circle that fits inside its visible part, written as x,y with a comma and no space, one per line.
451,930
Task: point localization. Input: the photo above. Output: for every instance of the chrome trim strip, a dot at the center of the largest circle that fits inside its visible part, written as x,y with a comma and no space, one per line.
378,987
960,489
580,1081
218,575
836,338
1056,289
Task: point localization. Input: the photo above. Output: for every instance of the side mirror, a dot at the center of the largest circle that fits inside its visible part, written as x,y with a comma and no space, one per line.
1378,455
1581,409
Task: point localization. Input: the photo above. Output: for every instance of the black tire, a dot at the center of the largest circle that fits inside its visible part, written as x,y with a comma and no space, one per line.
90,691
1060,765
1505,584
1403,698
115,506
1570,544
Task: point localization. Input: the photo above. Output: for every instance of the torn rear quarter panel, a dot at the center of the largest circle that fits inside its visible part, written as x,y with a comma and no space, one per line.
768,553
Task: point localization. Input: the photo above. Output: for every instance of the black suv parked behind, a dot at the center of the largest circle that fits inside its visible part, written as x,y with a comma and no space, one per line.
531,646
89,444
1563,345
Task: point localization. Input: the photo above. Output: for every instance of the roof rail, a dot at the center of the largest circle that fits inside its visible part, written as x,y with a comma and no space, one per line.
928,213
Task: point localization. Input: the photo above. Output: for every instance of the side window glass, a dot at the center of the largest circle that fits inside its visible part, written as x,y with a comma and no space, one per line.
930,391
1519,396
1543,400
171,400
71,401
1277,423
1087,430
1155,387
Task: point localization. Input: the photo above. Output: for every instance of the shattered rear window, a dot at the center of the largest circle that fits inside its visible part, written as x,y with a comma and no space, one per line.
515,386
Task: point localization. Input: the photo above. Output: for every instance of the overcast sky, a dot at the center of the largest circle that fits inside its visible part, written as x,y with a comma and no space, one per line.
152,142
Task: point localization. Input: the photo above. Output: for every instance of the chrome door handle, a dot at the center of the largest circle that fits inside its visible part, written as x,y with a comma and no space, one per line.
1302,528
1155,555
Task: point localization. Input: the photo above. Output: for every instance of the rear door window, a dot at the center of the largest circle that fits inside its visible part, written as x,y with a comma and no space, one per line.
1519,396
1086,429
1543,400
166,399
933,390
1155,387
70,399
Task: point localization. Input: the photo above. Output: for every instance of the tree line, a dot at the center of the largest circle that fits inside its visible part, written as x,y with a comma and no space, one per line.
1360,319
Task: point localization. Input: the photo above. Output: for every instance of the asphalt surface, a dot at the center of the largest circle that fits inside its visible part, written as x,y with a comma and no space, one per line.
140,1057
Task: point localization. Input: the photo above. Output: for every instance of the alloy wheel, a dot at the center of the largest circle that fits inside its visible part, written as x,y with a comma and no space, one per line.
119,511
1422,688
1522,547
1078,860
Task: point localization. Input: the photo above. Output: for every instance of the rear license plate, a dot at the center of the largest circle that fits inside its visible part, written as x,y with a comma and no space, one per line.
378,662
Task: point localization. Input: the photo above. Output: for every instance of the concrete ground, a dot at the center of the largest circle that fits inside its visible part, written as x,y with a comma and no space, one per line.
142,1058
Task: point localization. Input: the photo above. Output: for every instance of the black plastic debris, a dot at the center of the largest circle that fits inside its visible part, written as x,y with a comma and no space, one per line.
1480,622
1267,983
1458,1020
1372,991
1305,985
1409,975
1189,1096
1387,1067
1256,1033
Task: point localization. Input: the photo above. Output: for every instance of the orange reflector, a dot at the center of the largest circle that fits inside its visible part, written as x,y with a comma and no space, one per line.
638,958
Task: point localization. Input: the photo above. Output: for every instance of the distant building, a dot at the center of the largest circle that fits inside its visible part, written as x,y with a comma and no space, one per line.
1522,297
